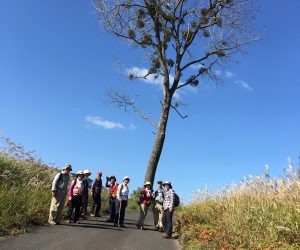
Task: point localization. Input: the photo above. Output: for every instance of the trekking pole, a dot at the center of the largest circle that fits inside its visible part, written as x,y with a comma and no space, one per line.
120,212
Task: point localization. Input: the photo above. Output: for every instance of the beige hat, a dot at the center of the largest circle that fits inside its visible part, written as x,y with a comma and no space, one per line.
147,183
80,172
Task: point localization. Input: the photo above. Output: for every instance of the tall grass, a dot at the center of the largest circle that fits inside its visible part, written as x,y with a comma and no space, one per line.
259,213
25,189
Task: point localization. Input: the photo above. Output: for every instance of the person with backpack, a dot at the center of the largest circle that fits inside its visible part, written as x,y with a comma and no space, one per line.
59,192
76,196
121,202
96,195
112,196
158,197
145,201
87,182
168,207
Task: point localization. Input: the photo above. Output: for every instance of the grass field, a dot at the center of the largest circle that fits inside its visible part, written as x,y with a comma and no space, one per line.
259,213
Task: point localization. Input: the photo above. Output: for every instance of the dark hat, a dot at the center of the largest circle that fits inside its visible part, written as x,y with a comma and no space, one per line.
68,166
159,182
113,177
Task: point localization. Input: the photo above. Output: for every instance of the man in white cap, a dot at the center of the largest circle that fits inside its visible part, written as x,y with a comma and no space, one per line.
59,192
168,206
121,202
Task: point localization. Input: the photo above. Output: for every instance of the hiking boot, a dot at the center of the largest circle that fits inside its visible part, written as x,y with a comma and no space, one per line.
167,236
77,222
92,215
52,222
69,221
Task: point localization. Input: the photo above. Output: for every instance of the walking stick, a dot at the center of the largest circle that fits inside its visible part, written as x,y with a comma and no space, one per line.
120,212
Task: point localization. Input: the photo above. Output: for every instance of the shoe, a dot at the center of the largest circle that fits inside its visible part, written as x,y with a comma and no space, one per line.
109,220
142,228
92,215
155,229
115,225
161,229
167,236
69,221
77,222
98,215
52,222
122,225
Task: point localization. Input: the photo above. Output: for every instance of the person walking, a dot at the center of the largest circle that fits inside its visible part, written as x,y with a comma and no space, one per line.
158,197
96,195
87,182
113,187
121,202
59,192
145,200
76,196
168,207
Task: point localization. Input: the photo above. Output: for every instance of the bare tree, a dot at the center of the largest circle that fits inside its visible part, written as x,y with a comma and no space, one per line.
177,34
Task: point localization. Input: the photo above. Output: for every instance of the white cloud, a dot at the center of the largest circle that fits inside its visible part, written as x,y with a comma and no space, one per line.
229,74
244,85
99,122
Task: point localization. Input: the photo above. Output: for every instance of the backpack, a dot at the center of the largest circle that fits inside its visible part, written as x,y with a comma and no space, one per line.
176,200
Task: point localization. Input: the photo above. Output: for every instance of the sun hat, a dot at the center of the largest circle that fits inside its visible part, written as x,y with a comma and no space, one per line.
168,183
147,183
113,177
80,172
68,166
87,171
126,177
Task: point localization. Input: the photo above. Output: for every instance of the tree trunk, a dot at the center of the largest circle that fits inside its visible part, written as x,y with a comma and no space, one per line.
159,142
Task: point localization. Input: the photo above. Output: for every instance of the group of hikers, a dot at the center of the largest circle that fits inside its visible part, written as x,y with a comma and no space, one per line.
75,196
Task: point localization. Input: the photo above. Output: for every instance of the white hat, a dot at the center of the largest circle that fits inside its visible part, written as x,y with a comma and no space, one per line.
147,183
87,171
126,177
80,172
168,183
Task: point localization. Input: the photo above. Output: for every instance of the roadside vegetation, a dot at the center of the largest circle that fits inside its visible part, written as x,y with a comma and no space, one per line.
259,213
25,189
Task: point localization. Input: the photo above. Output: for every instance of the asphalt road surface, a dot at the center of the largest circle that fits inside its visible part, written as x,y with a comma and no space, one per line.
93,233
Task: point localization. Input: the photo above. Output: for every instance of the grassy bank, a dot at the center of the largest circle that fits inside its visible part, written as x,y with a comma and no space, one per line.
260,213
25,189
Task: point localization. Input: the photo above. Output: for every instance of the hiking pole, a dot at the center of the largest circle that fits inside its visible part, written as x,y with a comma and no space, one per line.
119,213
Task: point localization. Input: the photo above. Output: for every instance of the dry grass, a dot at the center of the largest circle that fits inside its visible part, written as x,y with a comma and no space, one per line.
25,189
260,213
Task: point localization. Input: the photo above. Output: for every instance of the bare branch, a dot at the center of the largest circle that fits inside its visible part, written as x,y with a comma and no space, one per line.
122,101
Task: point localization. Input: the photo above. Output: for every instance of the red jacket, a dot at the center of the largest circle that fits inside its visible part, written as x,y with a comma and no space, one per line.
145,196
112,189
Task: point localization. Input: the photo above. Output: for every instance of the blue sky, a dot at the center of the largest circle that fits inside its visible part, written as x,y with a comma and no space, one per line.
56,65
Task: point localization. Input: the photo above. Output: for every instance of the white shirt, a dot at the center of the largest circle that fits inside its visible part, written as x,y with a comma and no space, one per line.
123,192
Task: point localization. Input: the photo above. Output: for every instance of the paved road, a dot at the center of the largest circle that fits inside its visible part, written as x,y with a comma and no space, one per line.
93,233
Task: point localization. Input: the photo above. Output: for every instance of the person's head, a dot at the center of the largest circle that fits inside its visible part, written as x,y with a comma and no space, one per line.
99,175
80,175
67,169
112,179
147,185
167,185
159,184
126,180
87,173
